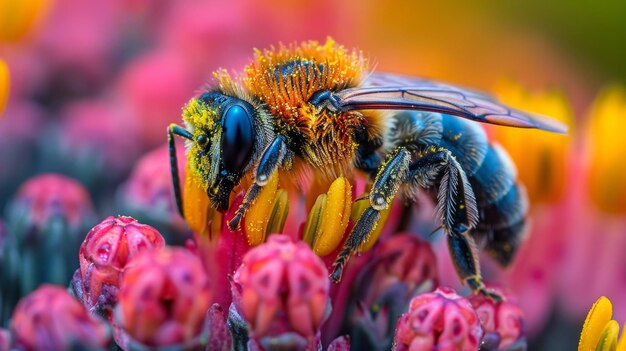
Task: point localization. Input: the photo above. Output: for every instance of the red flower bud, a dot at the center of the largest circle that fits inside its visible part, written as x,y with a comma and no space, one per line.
281,290
51,319
104,255
164,297
441,320
502,322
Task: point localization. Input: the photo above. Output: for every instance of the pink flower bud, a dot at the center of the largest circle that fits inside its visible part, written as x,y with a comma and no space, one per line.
281,289
502,322
51,319
403,259
441,320
44,196
164,297
104,255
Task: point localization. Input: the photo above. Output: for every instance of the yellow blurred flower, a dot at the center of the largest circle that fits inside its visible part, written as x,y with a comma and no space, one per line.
607,146
19,17
600,332
541,157
4,85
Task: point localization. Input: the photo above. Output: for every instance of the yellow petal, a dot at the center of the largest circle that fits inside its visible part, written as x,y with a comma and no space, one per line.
621,344
359,208
541,157
597,318
335,217
4,85
19,18
196,206
279,213
608,337
607,146
258,215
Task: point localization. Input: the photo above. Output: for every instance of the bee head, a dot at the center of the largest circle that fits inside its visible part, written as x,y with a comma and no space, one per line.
223,129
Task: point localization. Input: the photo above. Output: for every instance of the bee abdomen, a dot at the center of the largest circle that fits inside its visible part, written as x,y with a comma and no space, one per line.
495,176
504,242
501,224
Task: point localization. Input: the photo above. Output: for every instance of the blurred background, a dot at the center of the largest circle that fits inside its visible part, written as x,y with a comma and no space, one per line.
94,84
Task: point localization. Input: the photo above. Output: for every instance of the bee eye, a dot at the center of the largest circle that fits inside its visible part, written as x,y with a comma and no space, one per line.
202,140
237,138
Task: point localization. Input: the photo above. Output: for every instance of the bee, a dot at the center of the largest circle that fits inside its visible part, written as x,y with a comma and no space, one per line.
316,107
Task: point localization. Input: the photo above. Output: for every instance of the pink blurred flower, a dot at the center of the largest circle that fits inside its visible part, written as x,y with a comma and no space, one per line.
97,139
163,299
104,255
153,87
441,320
80,36
48,195
148,193
5,340
281,290
502,322
51,319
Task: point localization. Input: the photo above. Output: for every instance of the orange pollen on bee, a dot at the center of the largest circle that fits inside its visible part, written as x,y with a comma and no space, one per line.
285,78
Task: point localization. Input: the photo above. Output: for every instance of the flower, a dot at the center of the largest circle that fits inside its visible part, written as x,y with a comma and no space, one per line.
401,266
502,322
164,298
104,255
600,332
46,196
51,319
47,218
5,340
96,142
281,290
593,255
607,175
441,320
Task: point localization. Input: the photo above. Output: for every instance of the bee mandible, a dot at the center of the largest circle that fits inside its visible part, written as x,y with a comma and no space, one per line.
316,108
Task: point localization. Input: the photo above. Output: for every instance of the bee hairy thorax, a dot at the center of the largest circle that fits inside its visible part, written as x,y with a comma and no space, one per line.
286,79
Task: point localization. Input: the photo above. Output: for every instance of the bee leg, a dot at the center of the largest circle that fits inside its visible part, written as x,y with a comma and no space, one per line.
456,206
391,174
465,258
173,130
270,160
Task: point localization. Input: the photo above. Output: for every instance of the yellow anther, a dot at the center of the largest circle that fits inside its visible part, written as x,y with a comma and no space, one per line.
196,205
357,210
608,337
595,323
328,219
258,216
314,219
4,85
279,212
335,217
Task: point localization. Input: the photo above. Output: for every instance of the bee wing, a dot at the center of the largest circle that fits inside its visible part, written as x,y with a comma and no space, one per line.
388,92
